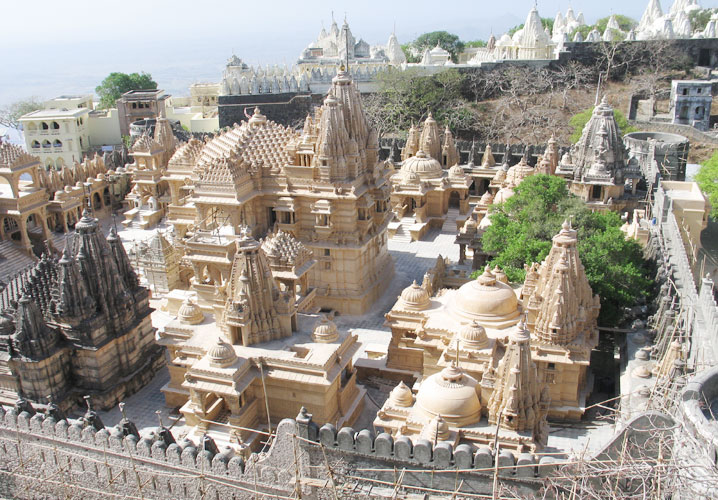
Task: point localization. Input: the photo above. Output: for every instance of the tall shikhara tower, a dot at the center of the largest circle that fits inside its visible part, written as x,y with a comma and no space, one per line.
78,325
561,315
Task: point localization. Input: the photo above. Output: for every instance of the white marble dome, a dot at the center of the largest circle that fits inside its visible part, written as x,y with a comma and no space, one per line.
423,165
487,301
189,312
414,297
450,393
221,354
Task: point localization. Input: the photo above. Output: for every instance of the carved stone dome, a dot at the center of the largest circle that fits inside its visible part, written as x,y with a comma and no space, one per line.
487,301
221,354
401,395
473,336
452,394
325,331
503,194
436,430
423,165
189,312
456,171
414,298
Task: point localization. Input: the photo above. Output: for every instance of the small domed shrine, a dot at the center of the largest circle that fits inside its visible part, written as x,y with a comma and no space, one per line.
524,351
430,182
598,167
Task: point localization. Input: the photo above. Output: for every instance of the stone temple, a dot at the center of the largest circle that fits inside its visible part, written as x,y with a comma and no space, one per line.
324,186
77,326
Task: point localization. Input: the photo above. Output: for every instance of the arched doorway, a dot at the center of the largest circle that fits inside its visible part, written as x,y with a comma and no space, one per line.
454,200
96,201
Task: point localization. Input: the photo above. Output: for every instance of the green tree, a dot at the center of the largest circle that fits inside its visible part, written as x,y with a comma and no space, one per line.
117,84
707,179
10,114
475,43
699,18
522,228
447,41
579,120
406,96
410,53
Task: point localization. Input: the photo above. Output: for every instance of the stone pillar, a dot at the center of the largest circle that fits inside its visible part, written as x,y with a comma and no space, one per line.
462,253
65,229
23,235
43,222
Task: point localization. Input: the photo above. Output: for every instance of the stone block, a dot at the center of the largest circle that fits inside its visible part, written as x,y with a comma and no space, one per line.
102,438
484,459
384,445
345,438
88,435
328,435
48,426
235,467
23,421
74,433
423,451
443,452
61,429
525,465
144,447
463,456
547,466
365,441
159,449
116,440
11,418
204,460
403,448
131,443
36,423
189,456
219,463
173,454
506,463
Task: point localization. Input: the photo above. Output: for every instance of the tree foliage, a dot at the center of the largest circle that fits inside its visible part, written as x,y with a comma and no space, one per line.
10,114
624,22
579,121
117,84
699,18
405,97
707,179
522,228
447,41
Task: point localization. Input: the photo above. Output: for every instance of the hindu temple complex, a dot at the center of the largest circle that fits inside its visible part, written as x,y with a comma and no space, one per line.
308,308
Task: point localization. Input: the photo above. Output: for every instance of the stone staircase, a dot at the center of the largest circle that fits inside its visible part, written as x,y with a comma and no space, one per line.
402,234
13,259
450,221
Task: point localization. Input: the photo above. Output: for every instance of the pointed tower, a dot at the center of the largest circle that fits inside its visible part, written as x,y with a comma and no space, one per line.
488,159
412,144
32,339
430,142
72,303
255,310
562,306
394,52
517,402
449,152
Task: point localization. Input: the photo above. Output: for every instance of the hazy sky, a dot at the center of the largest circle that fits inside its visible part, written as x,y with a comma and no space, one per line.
51,47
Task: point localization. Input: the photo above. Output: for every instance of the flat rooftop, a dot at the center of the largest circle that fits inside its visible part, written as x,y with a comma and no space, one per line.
55,113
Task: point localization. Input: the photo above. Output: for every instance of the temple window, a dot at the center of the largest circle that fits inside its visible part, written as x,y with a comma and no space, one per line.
57,143
45,126
55,126
35,144
322,220
596,193
327,252
362,214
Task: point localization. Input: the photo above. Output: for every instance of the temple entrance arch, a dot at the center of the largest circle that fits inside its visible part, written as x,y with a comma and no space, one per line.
96,201
454,200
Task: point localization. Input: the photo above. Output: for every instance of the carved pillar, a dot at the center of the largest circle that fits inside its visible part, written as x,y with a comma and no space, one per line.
43,222
23,235
64,223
